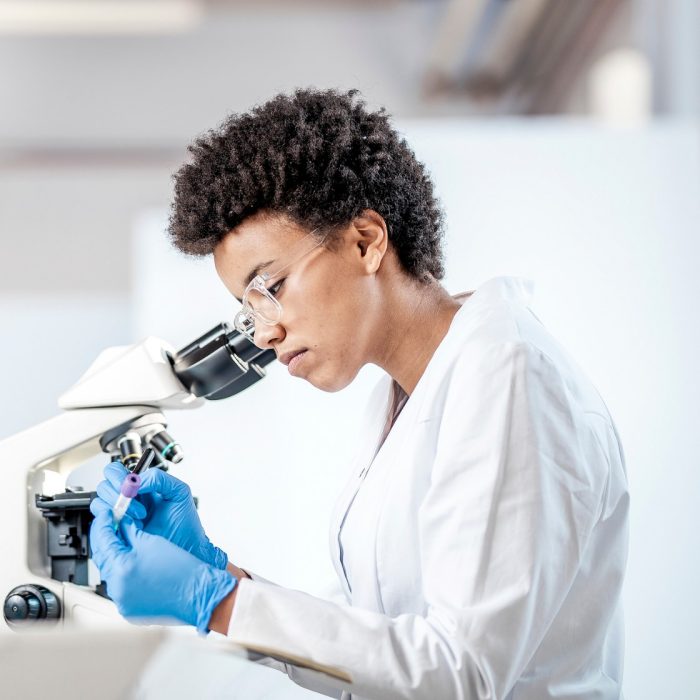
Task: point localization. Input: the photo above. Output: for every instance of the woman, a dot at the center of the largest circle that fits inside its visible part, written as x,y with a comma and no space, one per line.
481,541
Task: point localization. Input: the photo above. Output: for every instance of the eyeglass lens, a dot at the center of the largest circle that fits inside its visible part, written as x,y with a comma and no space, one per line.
263,306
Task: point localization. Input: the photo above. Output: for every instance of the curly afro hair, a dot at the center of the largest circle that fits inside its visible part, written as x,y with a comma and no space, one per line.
318,157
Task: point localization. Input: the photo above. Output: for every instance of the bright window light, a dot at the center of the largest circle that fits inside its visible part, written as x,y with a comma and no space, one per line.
620,87
30,17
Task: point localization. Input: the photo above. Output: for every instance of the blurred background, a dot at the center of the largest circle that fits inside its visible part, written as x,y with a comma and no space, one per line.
564,140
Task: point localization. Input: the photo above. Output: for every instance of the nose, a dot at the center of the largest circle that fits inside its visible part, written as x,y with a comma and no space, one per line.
265,335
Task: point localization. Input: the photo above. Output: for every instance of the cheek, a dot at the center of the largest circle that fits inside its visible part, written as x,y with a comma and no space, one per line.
336,314
332,308
331,338
336,355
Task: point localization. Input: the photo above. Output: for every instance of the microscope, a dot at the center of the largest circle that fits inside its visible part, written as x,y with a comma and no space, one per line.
116,409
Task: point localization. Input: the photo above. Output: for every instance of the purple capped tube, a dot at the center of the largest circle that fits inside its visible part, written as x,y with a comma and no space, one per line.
129,489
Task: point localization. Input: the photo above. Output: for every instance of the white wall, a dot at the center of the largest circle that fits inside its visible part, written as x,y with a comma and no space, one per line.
46,343
606,223
64,231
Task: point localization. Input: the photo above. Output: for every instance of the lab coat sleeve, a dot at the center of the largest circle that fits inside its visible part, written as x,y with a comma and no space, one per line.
513,497
257,577
266,660
301,676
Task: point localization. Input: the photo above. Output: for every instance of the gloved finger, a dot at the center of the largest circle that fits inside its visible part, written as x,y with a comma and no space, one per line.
107,493
132,534
104,541
98,505
168,486
115,473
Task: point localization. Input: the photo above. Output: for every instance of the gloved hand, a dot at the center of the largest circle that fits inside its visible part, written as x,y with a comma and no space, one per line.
164,507
149,577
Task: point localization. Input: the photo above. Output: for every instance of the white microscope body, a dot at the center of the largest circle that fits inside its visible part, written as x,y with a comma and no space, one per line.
124,391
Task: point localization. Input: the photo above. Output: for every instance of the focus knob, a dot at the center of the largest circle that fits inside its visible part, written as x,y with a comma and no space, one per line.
26,604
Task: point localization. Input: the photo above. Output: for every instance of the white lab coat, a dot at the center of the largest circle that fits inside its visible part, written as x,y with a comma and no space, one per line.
482,550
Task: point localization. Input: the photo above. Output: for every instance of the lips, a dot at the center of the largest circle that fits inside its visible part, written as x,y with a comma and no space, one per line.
294,363
287,357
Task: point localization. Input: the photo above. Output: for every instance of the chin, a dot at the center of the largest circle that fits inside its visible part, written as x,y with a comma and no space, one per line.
332,383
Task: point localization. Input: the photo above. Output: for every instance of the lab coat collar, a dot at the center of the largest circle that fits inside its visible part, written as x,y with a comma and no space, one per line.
513,289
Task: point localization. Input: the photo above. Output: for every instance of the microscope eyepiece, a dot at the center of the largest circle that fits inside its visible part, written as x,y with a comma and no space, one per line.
220,363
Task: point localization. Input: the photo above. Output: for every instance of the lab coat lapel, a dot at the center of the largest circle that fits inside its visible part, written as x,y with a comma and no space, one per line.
366,451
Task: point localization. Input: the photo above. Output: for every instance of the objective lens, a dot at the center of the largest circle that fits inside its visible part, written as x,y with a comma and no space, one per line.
166,447
130,449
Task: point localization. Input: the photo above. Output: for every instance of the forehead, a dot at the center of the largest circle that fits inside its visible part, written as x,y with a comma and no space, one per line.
260,235
259,239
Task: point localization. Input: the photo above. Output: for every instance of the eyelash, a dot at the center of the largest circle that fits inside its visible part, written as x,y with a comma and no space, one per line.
275,288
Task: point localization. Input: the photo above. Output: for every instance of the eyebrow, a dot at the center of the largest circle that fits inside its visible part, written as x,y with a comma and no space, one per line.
253,273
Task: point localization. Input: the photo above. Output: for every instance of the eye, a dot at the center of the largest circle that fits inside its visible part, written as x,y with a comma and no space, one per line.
274,289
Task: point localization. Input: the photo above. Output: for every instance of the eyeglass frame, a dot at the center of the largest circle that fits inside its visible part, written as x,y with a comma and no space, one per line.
245,318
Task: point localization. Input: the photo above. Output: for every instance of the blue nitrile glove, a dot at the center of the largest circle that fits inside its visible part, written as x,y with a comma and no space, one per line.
165,507
149,577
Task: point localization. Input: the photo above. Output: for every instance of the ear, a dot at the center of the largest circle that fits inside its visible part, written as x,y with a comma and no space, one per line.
371,239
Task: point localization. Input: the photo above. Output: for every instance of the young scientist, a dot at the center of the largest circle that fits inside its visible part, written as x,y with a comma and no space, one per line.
481,541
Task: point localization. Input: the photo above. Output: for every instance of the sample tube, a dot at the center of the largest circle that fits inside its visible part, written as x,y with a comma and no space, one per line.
145,461
129,489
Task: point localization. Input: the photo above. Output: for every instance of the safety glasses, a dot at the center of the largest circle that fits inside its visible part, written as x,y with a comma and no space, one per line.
259,304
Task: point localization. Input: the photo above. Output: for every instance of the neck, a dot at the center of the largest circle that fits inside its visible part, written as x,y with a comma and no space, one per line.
418,318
